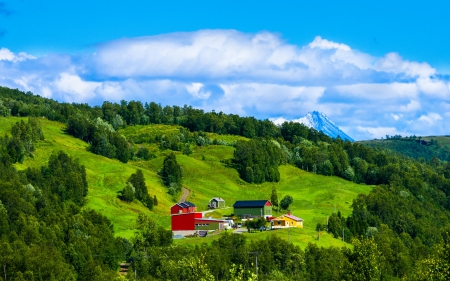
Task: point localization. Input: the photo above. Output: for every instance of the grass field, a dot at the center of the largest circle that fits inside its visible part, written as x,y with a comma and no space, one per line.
315,196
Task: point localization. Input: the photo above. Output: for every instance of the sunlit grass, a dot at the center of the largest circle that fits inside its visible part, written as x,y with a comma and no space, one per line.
315,196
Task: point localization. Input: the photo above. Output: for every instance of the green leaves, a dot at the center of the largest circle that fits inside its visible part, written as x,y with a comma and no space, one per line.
286,202
136,188
170,172
257,161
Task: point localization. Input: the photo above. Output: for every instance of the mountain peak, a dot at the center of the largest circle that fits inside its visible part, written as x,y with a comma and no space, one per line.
321,122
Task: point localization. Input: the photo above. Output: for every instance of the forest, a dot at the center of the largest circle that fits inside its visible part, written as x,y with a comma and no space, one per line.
400,230
420,148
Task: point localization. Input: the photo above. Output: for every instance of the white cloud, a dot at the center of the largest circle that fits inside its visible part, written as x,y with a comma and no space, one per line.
431,118
268,99
320,43
7,55
377,91
412,106
434,87
74,88
394,63
380,132
197,91
396,116
256,74
207,53
279,120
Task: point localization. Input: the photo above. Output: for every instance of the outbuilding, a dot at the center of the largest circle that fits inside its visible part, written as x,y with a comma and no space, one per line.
216,203
253,208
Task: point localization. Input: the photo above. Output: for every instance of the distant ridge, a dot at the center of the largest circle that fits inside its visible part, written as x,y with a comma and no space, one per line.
321,122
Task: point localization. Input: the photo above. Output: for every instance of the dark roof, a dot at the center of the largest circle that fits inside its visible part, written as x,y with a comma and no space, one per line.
250,204
186,204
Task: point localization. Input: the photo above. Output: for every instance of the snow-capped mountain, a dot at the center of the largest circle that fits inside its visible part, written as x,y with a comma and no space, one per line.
321,122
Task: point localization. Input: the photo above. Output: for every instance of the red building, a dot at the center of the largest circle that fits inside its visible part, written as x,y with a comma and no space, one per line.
183,208
185,221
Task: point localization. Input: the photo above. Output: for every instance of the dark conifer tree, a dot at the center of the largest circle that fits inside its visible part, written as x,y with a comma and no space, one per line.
171,171
138,182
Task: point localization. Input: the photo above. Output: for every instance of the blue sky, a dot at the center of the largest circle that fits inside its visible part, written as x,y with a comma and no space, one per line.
373,67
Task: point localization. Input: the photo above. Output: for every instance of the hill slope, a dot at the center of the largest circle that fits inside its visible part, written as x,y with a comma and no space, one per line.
416,147
315,196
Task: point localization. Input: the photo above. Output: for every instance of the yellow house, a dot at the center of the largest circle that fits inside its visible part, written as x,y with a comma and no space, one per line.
287,220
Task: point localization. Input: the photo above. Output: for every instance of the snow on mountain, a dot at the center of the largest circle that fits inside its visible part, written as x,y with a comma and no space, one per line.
320,122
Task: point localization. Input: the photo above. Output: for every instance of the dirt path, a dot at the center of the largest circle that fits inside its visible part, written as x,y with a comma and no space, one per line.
185,195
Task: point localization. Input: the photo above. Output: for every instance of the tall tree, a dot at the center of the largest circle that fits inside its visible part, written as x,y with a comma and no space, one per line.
171,171
274,197
138,182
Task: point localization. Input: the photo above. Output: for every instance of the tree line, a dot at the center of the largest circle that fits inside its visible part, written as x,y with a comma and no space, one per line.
232,257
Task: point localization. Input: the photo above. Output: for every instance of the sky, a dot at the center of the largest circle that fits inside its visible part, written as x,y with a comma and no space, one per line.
375,68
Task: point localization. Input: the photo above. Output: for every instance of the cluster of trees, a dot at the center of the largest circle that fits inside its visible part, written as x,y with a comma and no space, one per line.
137,189
171,174
103,138
255,224
407,217
232,257
257,160
414,147
23,137
44,234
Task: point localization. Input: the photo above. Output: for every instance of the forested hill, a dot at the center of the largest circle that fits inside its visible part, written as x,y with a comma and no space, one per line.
425,148
398,225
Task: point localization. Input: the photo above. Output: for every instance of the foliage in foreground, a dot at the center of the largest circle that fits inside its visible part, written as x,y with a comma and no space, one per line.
44,235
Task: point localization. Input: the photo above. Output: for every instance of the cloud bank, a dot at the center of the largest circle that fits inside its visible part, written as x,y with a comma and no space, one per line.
248,74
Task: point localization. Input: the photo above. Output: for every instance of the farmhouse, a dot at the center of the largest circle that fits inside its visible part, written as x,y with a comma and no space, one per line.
216,203
253,208
183,208
287,220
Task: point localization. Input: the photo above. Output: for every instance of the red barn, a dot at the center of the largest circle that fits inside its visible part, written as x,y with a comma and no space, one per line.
182,208
185,221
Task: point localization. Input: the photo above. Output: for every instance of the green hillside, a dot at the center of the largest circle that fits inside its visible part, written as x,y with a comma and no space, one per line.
415,147
315,196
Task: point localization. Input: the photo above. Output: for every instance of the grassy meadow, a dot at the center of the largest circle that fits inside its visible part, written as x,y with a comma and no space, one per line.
315,196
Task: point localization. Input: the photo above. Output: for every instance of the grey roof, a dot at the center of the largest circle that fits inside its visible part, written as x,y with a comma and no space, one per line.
250,203
218,199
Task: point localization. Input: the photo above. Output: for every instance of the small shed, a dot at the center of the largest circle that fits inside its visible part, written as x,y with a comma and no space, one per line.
286,221
216,203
